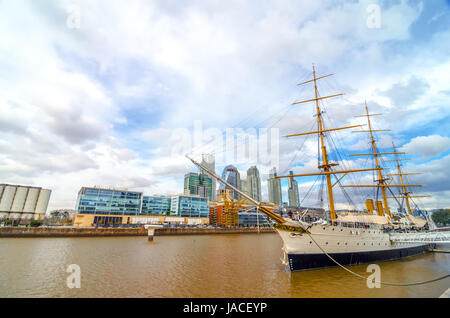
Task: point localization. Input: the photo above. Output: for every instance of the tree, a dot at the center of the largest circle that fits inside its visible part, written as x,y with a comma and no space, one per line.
35,223
441,217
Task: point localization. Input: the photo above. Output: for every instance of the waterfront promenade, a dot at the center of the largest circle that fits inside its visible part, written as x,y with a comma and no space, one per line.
93,232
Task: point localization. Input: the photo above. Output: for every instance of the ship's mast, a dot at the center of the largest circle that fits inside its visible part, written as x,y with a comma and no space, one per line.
382,182
406,194
325,165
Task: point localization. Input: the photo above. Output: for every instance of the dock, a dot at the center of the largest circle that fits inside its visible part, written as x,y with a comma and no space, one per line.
141,231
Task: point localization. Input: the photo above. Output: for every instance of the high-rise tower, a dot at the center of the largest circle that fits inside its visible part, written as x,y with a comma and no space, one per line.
209,162
198,184
231,175
274,185
254,183
294,199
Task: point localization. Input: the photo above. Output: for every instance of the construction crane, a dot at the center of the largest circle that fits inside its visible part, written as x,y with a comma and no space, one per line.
230,216
281,223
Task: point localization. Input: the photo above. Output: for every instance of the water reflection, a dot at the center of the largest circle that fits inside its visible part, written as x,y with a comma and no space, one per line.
193,266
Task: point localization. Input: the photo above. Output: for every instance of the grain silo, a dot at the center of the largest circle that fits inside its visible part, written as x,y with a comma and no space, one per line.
23,203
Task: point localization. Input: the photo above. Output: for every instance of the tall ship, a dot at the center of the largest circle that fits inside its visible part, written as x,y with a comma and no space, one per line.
371,235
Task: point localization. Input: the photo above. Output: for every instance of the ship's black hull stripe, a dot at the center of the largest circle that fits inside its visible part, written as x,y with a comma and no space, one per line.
310,261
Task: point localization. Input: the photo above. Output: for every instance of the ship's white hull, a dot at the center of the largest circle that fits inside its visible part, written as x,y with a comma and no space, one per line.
348,246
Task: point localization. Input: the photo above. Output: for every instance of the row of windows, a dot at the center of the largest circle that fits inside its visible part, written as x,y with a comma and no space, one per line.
195,207
109,193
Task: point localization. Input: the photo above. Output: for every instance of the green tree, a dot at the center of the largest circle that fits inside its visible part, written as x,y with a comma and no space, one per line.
35,223
441,217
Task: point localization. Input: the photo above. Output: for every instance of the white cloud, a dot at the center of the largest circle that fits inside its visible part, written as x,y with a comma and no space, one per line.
66,91
427,146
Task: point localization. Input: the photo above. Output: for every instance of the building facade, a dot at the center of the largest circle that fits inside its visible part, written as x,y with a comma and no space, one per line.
274,185
254,183
198,184
209,162
247,215
108,201
294,198
252,218
243,186
189,206
156,205
23,203
114,207
231,175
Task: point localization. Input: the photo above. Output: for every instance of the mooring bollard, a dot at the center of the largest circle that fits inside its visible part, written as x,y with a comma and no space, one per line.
151,233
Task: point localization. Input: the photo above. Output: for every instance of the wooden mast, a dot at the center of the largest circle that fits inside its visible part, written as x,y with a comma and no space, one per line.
405,193
325,165
381,180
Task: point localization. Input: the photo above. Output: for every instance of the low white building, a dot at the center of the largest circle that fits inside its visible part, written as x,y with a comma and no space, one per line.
23,202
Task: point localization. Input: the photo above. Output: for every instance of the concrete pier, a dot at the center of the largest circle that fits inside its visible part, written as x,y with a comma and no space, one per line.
149,231
69,232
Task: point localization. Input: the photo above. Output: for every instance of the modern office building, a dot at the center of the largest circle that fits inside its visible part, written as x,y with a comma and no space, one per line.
189,206
209,162
231,175
156,205
108,201
294,198
243,186
254,183
118,207
274,185
251,218
22,203
198,184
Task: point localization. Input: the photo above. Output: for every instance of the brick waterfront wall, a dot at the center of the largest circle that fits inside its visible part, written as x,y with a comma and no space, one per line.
92,232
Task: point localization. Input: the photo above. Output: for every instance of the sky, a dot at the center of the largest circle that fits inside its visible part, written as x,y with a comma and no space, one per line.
112,93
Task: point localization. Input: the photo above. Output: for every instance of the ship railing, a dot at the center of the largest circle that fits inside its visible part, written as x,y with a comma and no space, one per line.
427,237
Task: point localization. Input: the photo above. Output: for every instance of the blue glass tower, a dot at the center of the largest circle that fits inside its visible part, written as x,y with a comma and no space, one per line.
231,175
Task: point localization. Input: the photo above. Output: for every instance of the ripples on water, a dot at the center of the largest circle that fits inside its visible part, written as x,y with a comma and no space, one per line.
193,266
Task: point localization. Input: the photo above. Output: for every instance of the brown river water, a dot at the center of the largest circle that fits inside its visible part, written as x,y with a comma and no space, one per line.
237,265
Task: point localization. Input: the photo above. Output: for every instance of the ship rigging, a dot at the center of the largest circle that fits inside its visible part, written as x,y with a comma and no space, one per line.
359,238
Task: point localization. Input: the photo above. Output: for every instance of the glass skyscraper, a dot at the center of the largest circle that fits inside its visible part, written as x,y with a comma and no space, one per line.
198,184
209,162
275,195
294,199
231,175
254,183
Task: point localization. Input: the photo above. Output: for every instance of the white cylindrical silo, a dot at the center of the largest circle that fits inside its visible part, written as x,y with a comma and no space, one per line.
7,198
42,203
19,199
15,216
30,202
27,216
